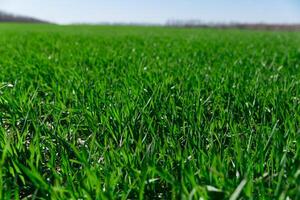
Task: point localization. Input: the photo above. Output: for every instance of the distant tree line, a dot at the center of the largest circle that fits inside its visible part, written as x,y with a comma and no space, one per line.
255,26
6,17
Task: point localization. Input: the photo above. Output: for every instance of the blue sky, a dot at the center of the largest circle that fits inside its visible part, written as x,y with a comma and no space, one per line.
157,11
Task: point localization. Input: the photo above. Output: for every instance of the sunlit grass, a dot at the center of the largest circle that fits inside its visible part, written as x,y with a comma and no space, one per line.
129,113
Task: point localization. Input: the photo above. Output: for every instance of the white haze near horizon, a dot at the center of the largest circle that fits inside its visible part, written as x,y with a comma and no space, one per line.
156,11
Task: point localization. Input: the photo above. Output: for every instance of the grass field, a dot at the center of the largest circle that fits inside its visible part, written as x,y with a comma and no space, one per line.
107,112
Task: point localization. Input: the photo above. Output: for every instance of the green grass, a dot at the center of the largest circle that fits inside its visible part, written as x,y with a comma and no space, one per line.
148,113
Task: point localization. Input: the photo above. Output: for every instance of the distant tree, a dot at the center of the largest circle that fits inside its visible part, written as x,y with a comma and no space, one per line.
6,17
255,26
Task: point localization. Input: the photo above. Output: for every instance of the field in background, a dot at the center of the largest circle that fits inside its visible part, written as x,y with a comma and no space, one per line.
92,112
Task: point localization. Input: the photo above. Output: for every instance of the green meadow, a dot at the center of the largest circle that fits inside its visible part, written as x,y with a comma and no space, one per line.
125,112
